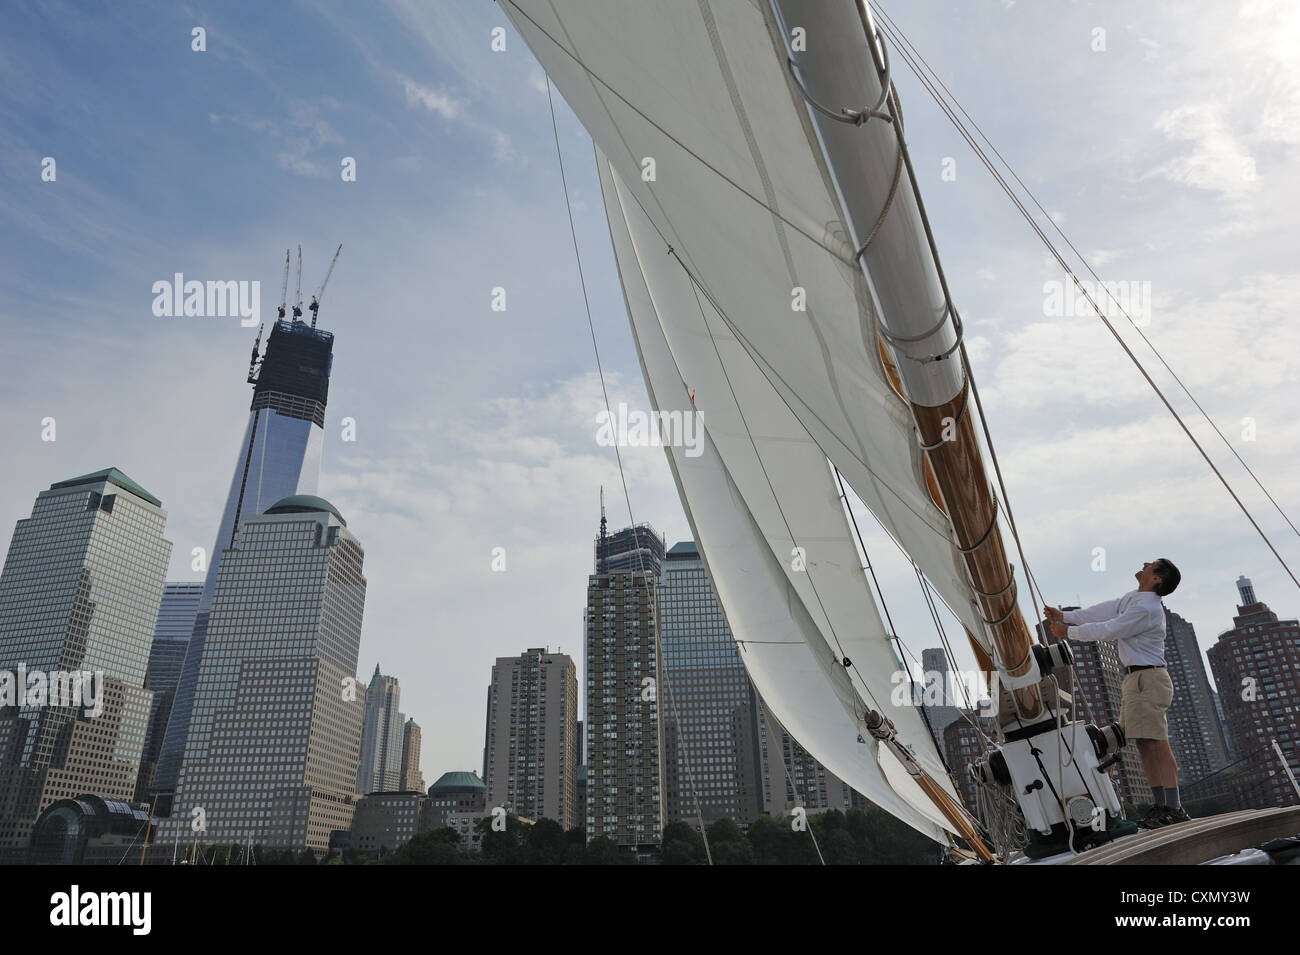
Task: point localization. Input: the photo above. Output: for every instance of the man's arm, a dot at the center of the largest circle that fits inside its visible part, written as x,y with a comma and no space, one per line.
1105,610
1127,624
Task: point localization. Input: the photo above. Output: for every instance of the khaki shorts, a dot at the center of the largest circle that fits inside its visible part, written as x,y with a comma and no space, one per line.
1147,695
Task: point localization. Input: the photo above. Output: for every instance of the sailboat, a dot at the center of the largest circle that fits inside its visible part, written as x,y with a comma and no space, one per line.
783,283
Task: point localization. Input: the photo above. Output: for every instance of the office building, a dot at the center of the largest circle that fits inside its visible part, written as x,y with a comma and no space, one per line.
274,745
412,778
380,769
1195,734
79,598
384,822
710,714
278,457
171,637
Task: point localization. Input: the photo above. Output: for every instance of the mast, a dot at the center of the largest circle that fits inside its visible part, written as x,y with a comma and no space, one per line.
843,74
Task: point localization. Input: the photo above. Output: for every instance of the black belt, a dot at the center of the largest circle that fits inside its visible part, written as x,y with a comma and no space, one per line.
1144,666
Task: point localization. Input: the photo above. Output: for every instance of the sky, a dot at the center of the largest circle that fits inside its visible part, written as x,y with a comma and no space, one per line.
1164,146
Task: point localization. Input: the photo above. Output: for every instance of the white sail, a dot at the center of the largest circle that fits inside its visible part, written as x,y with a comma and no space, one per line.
758,487
692,105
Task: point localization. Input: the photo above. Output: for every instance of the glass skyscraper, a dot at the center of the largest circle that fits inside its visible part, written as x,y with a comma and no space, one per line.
711,751
279,456
171,638
274,742
79,594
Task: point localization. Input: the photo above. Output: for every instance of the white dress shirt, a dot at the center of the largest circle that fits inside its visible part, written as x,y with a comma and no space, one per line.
1136,622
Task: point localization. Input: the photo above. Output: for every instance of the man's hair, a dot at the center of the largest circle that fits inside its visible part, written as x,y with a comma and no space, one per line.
1168,575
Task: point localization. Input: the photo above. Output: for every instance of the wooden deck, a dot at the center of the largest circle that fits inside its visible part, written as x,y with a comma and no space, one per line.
1197,840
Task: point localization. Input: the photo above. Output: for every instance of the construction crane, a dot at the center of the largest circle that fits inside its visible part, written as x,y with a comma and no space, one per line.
284,286
315,299
297,291
253,364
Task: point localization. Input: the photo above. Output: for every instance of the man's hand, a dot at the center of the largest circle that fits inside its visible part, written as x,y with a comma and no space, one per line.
1051,613
1060,629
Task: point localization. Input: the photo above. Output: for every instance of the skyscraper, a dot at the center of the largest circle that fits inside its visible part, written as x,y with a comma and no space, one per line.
637,549
531,750
625,780
279,457
380,768
1195,733
412,778
79,599
273,750
710,712
171,637
1257,668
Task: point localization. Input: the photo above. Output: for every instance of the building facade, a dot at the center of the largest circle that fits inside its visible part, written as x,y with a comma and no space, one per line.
171,638
380,769
1195,733
279,456
636,549
412,778
273,749
531,754
623,726
710,711
79,598
384,822
458,794
1256,666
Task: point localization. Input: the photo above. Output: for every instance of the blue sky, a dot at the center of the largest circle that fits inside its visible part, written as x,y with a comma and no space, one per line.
1168,157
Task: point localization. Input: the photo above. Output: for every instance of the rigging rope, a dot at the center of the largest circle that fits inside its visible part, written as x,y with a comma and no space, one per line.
650,596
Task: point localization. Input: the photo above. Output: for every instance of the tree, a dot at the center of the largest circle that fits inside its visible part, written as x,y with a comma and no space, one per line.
575,847
505,847
603,851
307,857
433,847
544,843
728,844
682,845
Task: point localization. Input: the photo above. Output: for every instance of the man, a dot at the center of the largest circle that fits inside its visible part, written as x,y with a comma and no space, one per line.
1136,622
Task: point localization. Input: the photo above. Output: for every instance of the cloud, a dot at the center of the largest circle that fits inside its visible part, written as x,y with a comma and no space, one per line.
435,101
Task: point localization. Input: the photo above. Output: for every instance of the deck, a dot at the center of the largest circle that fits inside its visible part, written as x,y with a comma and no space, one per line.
1197,840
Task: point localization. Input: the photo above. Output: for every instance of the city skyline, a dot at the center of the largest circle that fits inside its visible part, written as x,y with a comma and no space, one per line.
500,450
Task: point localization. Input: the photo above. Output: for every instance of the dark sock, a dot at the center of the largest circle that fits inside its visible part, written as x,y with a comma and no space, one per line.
1158,793
1171,797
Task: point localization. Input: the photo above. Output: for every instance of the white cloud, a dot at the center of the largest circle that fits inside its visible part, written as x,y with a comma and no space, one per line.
435,101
